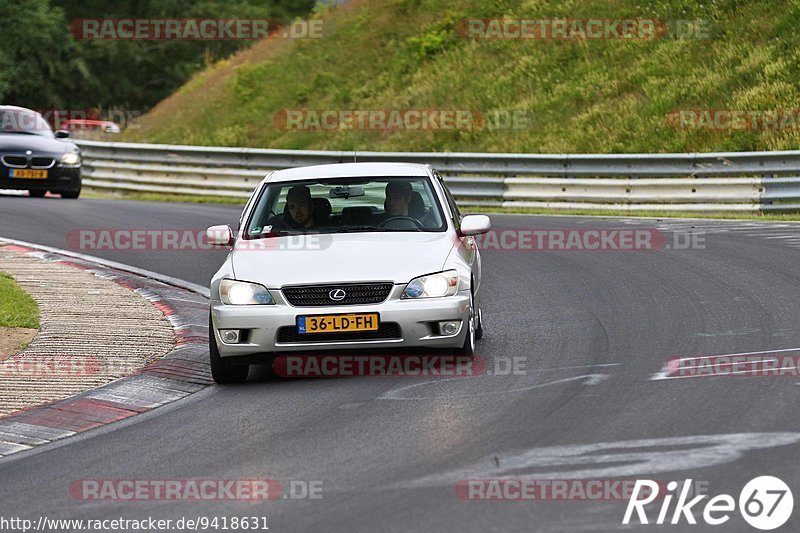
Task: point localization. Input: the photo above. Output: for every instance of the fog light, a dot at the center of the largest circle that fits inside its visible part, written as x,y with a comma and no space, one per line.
229,336
450,327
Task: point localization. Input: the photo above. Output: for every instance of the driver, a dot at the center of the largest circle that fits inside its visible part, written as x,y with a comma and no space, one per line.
398,198
300,207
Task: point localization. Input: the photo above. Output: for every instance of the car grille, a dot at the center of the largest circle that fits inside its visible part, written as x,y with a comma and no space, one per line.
386,330
20,161
42,162
355,294
15,161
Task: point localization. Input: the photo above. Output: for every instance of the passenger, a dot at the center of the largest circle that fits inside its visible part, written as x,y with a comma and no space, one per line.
300,207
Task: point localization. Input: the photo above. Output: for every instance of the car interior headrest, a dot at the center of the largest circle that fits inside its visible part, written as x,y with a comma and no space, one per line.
321,210
416,207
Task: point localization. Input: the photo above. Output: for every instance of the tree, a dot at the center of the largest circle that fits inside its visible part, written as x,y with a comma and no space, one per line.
43,66
40,63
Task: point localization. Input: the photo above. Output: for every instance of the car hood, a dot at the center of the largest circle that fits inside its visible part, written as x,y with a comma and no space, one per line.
19,142
343,257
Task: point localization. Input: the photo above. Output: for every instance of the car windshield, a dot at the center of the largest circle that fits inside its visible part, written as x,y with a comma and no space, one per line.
349,205
24,121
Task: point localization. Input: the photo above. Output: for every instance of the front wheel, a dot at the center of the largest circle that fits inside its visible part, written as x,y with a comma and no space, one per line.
72,195
221,370
469,340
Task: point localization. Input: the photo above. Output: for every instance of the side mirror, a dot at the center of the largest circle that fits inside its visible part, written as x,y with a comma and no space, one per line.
62,134
219,236
474,225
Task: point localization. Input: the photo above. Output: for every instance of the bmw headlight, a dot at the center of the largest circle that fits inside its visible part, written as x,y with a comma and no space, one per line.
233,292
71,159
432,285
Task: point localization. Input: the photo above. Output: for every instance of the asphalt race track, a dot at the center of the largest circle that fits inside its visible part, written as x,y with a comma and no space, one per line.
594,330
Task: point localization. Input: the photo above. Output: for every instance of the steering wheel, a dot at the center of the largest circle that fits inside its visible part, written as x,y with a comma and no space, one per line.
416,222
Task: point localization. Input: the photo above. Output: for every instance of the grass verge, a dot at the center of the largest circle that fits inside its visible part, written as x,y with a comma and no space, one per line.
574,95
17,308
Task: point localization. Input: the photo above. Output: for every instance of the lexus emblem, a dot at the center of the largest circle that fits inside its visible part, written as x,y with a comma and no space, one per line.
337,295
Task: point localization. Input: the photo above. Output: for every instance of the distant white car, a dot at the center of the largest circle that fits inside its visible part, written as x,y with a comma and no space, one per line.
346,256
87,127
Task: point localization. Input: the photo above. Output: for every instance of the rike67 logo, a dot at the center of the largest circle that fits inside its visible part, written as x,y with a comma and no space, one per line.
765,503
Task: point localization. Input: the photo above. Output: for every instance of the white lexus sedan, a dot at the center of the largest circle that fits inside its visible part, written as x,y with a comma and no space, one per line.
345,257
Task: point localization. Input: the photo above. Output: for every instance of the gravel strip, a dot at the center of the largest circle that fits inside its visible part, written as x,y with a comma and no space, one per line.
92,332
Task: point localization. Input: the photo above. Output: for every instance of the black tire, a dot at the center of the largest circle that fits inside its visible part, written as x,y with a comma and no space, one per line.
223,371
479,330
469,340
72,195
37,194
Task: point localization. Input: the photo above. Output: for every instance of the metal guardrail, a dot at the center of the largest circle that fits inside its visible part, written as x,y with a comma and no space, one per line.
728,181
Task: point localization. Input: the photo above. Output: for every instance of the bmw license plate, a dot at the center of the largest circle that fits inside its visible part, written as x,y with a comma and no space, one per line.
28,173
337,323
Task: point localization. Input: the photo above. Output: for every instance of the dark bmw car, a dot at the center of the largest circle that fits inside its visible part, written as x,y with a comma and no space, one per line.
35,159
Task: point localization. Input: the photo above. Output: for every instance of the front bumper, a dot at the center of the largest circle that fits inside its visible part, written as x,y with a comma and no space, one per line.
59,179
415,318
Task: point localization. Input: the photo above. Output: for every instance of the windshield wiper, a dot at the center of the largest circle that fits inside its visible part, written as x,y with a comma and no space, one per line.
357,229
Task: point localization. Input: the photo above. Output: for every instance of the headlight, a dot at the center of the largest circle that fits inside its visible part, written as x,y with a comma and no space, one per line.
432,285
233,292
71,159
